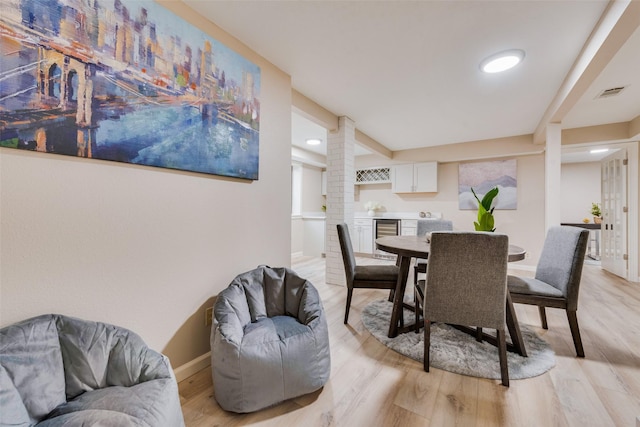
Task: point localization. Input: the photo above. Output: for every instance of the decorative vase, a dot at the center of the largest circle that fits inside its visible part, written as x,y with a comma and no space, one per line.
371,212
597,220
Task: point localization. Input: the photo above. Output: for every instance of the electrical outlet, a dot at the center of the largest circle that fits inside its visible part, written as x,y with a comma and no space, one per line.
208,316
527,255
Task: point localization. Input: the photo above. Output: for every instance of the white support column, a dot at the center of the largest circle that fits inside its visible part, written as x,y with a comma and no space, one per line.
340,194
553,153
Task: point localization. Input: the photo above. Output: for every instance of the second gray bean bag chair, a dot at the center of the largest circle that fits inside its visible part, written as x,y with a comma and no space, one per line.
61,371
269,341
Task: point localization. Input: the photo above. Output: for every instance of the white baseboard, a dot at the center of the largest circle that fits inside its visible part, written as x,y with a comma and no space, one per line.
296,254
190,368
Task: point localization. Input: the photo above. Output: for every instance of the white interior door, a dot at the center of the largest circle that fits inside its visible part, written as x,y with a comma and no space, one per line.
614,213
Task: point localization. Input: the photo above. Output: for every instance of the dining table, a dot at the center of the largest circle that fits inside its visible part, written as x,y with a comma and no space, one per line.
408,247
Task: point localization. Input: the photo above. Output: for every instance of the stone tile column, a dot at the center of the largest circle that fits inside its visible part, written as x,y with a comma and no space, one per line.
340,194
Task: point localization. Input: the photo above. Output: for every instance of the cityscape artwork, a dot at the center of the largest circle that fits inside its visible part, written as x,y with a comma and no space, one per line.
128,81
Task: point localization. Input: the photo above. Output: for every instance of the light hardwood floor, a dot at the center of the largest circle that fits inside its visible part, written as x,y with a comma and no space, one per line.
371,385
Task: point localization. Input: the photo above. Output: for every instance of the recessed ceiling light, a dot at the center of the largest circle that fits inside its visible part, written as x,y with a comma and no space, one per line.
599,150
314,141
502,61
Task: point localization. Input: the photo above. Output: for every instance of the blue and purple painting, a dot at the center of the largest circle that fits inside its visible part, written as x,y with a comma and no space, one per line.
483,176
125,80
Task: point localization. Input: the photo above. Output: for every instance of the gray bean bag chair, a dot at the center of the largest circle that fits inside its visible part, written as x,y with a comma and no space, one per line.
269,341
61,371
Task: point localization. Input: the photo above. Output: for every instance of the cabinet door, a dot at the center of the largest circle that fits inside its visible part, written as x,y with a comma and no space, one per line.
366,244
408,227
425,177
402,179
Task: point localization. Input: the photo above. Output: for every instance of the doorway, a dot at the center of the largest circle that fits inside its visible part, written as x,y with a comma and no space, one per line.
614,179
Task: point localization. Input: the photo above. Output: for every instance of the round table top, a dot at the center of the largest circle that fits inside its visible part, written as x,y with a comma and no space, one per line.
418,247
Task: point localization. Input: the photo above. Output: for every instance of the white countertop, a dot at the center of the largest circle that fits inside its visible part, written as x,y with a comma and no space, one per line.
396,215
379,215
313,215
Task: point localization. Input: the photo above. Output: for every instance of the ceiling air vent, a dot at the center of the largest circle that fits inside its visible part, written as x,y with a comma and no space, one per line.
610,92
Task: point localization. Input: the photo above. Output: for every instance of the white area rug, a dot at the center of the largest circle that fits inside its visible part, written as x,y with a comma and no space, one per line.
455,351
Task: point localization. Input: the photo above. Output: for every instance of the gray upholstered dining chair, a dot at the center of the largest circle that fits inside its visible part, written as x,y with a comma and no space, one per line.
466,285
557,280
363,276
427,226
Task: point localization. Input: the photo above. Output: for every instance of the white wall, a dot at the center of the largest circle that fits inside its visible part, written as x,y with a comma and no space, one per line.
141,247
525,225
580,186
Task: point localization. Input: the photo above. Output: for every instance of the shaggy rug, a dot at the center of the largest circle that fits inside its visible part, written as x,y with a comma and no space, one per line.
456,351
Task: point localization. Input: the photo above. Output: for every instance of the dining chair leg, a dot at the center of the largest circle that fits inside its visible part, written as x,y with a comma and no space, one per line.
392,293
543,317
416,307
427,344
514,328
479,334
346,312
502,350
575,332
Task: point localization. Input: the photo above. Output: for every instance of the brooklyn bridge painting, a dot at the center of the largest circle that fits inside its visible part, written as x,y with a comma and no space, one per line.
126,81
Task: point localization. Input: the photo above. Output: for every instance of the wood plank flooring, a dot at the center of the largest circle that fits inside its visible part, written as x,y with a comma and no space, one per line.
371,385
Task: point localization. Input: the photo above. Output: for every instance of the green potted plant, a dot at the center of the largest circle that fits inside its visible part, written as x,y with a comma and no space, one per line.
485,210
597,214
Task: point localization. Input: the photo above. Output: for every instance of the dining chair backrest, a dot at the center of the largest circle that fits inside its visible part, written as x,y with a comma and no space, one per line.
466,280
348,256
428,225
561,261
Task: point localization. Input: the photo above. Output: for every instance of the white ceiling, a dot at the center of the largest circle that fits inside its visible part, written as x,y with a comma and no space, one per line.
407,71
303,129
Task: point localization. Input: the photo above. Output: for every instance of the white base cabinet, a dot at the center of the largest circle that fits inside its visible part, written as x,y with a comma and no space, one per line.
408,227
362,236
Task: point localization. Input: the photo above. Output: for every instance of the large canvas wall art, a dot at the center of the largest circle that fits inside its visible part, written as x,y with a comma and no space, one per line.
125,80
483,176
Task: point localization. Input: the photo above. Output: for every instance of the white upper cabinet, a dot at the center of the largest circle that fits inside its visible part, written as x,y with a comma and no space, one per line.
425,176
402,179
415,178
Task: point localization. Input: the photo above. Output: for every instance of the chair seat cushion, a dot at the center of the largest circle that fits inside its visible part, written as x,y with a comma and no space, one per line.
270,329
93,417
376,273
531,286
143,404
